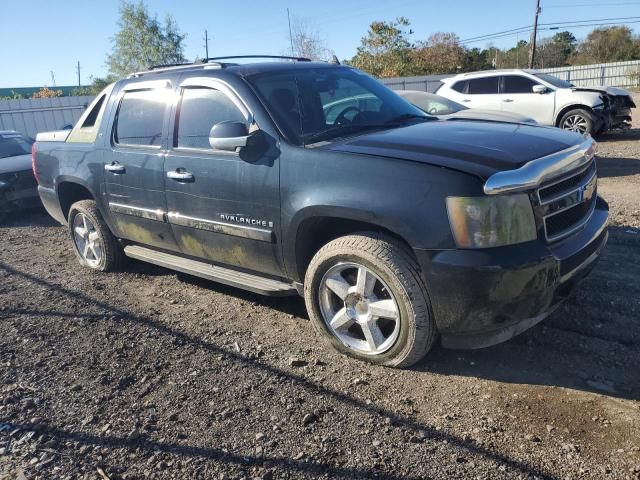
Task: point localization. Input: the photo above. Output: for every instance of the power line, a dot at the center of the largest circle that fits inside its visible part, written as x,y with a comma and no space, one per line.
567,24
596,4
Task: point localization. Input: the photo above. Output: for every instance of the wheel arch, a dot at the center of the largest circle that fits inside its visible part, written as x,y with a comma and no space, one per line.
70,191
568,108
319,228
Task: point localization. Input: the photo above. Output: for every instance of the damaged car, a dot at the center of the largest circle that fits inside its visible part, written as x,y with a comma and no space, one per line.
543,97
18,186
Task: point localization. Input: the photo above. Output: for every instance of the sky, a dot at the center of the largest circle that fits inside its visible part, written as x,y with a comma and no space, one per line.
44,36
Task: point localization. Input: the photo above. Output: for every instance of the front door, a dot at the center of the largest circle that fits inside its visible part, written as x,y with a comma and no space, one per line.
134,165
518,97
223,206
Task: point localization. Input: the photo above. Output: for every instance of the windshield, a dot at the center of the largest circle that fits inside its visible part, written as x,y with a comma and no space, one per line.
432,104
12,144
555,81
319,104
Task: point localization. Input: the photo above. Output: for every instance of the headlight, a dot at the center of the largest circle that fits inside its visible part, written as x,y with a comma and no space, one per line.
2,184
493,221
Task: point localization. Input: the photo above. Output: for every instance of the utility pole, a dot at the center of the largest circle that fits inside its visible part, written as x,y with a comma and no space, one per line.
79,74
206,43
290,34
534,35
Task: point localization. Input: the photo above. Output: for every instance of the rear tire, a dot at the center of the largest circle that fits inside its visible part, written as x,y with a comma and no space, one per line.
93,243
579,121
365,296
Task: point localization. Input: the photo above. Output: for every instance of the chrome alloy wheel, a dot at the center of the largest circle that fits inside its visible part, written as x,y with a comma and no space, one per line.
576,123
359,308
87,239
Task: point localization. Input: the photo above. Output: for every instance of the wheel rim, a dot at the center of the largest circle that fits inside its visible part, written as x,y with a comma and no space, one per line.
87,239
576,123
359,308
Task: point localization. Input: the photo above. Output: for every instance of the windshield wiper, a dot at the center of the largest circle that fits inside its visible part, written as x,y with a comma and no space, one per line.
342,130
410,116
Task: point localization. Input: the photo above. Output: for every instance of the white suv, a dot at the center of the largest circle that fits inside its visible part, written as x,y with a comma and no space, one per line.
545,98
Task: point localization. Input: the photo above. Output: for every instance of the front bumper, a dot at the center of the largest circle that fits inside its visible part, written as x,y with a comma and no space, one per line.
483,297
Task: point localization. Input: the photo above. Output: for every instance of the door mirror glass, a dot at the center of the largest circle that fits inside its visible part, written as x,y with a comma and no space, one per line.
539,89
229,136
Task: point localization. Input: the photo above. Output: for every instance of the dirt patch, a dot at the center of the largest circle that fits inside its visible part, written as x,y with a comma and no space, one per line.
151,374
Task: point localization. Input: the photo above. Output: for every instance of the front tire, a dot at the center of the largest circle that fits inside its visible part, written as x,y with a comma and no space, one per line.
93,243
579,121
365,296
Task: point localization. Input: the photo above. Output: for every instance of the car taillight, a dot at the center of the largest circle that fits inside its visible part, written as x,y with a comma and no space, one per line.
33,162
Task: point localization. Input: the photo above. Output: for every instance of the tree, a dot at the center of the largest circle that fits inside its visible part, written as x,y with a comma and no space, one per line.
384,51
307,41
143,41
476,59
46,92
609,44
441,53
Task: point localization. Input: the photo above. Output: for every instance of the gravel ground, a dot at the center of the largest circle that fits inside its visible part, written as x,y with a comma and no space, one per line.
152,374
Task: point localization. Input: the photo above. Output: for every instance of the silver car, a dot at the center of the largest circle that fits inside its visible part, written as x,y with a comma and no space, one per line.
448,109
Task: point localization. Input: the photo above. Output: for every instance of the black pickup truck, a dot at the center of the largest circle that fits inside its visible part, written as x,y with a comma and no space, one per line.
397,228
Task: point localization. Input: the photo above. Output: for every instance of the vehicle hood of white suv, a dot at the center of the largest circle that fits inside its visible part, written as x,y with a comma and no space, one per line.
17,163
603,89
489,115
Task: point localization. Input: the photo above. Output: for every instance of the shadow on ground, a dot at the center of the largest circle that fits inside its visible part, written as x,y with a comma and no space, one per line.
120,315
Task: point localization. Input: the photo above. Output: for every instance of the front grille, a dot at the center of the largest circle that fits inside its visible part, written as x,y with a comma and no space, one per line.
567,204
567,220
552,192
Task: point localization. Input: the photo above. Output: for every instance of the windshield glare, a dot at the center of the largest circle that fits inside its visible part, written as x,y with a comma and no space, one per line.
329,102
433,104
12,144
555,81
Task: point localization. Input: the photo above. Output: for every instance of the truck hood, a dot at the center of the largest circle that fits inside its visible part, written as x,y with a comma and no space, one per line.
17,163
475,147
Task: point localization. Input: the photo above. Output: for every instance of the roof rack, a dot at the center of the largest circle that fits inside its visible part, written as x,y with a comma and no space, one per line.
280,57
213,61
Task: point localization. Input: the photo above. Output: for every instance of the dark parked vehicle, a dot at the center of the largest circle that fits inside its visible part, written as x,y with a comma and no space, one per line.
18,187
398,228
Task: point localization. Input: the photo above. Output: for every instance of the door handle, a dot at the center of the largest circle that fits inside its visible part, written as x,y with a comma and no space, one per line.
114,167
507,100
466,100
180,175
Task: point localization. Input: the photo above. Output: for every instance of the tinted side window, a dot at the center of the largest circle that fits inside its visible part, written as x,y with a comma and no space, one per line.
140,118
460,86
200,110
483,86
518,84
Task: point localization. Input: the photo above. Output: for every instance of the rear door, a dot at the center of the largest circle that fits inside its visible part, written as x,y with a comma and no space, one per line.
482,93
134,164
223,206
518,97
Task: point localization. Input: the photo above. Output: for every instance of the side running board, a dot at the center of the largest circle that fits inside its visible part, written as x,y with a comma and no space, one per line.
234,278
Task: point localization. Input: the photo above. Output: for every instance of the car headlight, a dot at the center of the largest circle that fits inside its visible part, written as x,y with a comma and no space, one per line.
493,221
2,184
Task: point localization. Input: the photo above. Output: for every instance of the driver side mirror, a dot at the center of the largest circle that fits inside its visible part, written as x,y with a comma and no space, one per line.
540,89
229,136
